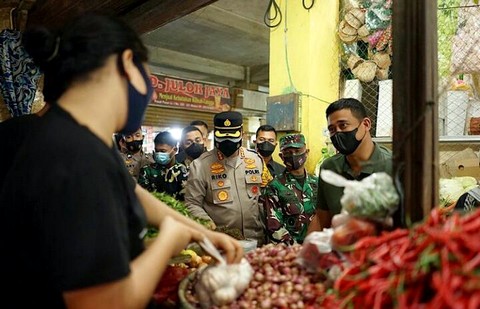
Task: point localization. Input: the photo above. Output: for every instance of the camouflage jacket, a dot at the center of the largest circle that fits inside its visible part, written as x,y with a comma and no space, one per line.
156,177
289,207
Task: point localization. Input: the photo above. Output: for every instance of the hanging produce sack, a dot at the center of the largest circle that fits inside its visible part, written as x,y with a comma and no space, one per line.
18,74
374,197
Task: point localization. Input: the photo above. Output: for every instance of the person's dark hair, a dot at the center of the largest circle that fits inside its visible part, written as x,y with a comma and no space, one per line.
125,135
165,138
71,53
199,123
188,130
118,138
355,106
266,128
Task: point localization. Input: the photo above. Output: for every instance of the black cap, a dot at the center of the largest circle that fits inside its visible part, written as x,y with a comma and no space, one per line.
228,121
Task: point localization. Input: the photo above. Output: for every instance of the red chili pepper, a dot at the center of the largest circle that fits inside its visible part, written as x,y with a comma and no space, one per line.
396,257
412,255
380,298
471,226
474,301
472,284
470,242
471,264
344,282
378,254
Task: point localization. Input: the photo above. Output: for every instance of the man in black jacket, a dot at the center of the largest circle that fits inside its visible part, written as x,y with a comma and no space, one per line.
265,143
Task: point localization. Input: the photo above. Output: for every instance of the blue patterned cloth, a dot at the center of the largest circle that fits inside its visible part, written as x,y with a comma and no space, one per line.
18,74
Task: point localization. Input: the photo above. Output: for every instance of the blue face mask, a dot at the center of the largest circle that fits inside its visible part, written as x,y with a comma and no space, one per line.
162,158
137,103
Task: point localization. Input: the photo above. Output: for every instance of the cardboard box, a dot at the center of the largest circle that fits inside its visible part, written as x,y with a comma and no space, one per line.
465,167
462,163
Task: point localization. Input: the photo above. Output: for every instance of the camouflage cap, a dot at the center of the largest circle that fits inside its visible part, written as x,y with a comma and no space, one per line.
296,140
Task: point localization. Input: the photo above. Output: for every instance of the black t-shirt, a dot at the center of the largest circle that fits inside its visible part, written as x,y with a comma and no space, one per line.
13,132
69,215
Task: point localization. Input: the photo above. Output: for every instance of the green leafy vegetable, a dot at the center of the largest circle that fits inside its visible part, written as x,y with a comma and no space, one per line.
178,206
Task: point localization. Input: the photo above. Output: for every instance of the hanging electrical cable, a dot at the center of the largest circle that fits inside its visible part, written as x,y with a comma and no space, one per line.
287,62
269,17
305,5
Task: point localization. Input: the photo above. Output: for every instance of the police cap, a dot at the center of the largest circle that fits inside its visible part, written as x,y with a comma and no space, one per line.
228,121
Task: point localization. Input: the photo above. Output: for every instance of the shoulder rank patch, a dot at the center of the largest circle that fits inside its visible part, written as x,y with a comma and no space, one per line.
217,168
249,160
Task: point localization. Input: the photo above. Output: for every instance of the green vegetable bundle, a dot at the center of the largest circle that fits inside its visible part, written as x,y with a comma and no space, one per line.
178,206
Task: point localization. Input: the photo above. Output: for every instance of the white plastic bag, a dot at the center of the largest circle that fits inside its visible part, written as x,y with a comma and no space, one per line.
220,285
374,197
316,254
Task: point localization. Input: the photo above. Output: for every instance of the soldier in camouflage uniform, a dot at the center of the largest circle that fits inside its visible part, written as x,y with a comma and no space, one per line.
289,199
166,174
133,154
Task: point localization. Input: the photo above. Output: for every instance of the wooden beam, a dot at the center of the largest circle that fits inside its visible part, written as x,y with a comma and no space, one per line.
143,17
156,13
415,108
55,13
162,57
259,74
217,16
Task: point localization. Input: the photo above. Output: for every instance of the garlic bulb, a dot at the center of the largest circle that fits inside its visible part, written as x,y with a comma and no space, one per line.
221,284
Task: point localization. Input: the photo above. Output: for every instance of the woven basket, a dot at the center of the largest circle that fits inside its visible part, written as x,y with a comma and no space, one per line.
182,291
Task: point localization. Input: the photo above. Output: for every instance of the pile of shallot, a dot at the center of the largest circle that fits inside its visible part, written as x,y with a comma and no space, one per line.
278,282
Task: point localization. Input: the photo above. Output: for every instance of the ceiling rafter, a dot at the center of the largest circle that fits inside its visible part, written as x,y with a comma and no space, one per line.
162,57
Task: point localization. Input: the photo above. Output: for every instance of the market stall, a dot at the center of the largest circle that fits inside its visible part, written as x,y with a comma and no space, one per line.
434,264
428,259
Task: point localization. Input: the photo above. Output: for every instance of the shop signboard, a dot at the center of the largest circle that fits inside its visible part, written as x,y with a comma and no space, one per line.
188,94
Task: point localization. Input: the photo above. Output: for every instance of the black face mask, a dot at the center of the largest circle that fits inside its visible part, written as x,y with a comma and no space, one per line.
294,162
345,142
227,147
195,150
137,103
265,149
134,146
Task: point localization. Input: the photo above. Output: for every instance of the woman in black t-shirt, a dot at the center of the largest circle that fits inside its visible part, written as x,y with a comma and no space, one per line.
72,219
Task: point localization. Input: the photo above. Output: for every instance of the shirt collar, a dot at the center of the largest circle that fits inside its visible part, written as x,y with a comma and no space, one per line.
369,167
